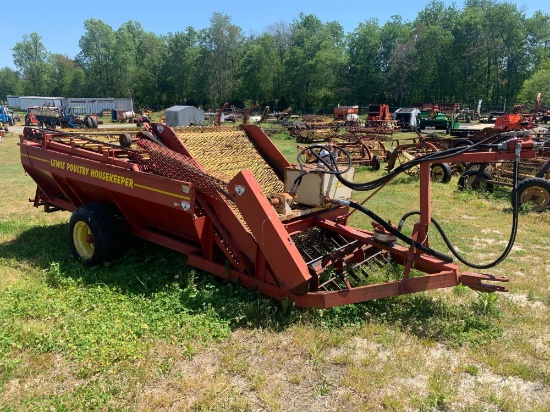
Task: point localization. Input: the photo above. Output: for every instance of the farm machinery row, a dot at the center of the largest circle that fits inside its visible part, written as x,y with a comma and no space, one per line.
534,185
369,149
53,117
240,210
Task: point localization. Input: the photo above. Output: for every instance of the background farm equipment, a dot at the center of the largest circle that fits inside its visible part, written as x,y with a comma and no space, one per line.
533,174
314,129
6,118
406,118
53,117
383,129
30,118
307,133
341,112
378,116
466,115
123,116
417,147
359,150
437,120
279,116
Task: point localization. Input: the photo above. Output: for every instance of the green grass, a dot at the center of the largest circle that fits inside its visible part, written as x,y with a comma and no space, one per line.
147,332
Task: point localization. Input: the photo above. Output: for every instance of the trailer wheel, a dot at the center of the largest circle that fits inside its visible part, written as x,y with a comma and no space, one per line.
125,140
375,162
88,122
95,235
441,172
460,167
535,191
470,180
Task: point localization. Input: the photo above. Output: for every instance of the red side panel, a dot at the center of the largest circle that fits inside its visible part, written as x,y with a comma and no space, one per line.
286,263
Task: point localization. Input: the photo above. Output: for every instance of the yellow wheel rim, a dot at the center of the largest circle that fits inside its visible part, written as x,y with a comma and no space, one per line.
438,173
83,240
537,196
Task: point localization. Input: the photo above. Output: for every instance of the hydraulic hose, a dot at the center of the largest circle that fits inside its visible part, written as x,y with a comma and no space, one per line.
396,232
513,232
329,162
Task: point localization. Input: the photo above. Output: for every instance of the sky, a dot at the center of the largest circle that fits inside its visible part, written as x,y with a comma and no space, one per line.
61,26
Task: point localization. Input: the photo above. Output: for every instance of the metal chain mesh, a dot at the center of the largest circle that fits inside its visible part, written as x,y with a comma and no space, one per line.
220,155
229,152
162,161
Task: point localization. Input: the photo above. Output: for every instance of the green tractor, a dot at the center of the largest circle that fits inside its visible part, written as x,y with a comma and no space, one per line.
437,120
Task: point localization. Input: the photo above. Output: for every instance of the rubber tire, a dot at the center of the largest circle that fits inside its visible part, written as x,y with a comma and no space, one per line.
98,221
442,170
88,122
375,162
465,181
125,140
94,122
11,122
536,189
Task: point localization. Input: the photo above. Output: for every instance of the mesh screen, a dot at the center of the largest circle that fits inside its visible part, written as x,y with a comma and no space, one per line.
229,152
220,155
162,161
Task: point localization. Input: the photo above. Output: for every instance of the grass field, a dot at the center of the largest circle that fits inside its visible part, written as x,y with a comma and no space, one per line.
149,333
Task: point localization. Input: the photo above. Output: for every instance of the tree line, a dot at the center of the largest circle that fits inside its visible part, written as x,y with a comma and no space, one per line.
485,50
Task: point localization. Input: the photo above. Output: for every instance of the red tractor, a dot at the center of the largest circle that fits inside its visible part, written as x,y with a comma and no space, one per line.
30,118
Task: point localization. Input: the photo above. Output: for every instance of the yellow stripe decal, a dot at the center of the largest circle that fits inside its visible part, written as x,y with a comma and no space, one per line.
179,196
38,158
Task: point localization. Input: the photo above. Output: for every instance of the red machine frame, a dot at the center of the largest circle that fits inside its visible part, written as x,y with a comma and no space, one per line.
260,253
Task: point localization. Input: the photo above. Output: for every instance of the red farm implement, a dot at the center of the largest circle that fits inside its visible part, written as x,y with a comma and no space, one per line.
230,202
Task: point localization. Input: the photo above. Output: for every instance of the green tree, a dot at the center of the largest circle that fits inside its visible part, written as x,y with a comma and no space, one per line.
31,58
538,37
433,37
126,57
512,34
367,84
10,83
280,32
392,33
317,58
220,52
259,69
469,48
399,74
67,77
151,55
180,71
97,56
539,82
